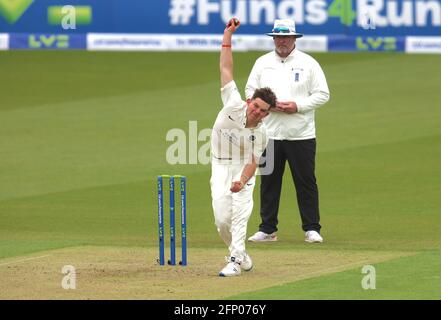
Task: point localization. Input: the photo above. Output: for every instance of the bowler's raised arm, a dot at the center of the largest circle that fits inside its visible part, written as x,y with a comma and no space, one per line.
226,55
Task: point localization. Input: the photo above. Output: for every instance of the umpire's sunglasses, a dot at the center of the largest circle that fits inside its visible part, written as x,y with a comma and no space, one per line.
281,30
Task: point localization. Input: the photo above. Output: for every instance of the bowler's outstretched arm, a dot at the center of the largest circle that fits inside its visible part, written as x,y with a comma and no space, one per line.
226,55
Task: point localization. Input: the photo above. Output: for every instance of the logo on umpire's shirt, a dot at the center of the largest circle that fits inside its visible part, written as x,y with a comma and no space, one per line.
297,72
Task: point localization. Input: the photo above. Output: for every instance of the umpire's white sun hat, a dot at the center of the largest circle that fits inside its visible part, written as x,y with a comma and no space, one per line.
284,27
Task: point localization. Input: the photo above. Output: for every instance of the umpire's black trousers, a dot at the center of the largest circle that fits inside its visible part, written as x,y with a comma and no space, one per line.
301,159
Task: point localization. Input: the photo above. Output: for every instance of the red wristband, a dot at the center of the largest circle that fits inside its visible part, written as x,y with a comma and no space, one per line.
226,45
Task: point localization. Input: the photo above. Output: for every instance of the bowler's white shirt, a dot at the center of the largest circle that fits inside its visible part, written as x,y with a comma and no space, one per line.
297,78
231,142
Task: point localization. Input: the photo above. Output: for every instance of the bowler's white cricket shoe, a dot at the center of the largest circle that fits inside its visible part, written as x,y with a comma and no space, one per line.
260,236
247,263
313,237
231,269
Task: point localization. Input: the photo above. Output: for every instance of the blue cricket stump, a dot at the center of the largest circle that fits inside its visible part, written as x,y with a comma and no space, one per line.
183,221
172,260
183,207
161,221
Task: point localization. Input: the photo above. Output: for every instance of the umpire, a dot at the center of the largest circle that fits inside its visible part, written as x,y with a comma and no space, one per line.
300,86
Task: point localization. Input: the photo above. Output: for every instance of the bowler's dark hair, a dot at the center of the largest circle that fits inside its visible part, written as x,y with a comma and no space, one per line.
267,95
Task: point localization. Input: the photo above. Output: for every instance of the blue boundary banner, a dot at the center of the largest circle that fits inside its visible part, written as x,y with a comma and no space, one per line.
312,17
370,43
41,41
199,42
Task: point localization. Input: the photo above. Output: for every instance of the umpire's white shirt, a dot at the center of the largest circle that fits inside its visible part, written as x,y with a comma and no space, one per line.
297,78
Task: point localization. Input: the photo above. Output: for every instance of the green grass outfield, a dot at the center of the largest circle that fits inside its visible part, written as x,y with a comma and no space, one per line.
82,139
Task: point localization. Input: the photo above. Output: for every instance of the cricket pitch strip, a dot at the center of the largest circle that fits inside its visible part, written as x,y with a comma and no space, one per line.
133,273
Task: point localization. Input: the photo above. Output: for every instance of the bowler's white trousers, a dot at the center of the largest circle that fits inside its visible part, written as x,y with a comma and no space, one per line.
231,210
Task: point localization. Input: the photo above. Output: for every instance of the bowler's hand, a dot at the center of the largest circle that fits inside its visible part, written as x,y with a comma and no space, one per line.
236,186
232,25
286,107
